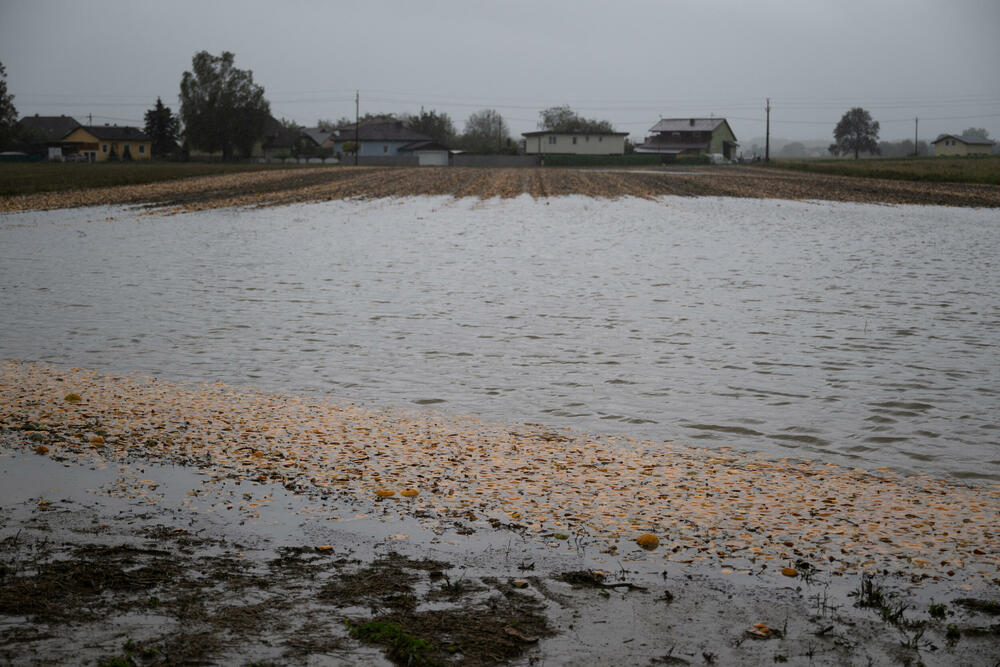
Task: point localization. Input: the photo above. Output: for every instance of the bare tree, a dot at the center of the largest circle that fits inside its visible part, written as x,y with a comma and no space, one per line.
486,132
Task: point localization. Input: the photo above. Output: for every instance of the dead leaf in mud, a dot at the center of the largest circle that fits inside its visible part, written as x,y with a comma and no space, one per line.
41,449
409,493
73,398
324,547
384,493
762,631
648,541
789,572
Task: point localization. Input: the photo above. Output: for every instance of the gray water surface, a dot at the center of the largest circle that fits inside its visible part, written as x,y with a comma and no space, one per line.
859,334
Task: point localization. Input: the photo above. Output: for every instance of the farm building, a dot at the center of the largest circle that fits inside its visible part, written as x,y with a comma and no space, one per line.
44,136
690,137
548,142
955,144
49,128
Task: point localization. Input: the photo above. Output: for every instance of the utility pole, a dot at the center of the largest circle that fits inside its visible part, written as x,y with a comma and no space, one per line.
90,119
916,124
357,119
767,140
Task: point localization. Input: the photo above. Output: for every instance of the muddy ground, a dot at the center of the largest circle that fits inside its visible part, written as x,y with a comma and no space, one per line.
126,561
271,188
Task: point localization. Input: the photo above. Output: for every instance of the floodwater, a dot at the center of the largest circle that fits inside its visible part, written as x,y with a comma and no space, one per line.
859,334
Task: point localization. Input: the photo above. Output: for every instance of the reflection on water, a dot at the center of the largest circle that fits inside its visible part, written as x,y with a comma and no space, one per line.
860,334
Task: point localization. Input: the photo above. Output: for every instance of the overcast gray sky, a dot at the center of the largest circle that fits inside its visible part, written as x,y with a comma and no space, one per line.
630,61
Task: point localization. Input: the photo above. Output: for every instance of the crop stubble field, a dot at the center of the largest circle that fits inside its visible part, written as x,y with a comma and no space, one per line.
281,187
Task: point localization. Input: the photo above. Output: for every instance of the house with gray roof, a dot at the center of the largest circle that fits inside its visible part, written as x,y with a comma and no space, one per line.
690,137
958,144
379,138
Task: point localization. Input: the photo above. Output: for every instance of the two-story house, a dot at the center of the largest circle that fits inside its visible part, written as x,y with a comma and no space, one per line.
690,137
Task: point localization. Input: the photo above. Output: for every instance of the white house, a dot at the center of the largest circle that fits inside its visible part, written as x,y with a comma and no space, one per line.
547,142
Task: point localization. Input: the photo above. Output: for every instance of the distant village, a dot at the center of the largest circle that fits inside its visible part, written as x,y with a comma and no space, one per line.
429,139
384,140
390,141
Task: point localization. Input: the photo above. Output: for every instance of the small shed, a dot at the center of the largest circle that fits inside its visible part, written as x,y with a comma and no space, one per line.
429,153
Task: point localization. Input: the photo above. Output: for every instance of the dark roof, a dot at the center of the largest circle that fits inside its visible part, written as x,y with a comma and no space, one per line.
687,124
116,132
317,135
382,130
576,132
965,139
277,135
51,128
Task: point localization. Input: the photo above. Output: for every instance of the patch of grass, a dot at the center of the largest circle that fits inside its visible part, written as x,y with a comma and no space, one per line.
870,595
401,647
31,178
938,610
973,169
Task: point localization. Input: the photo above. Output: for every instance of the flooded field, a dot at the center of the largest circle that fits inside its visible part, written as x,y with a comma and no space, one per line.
858,334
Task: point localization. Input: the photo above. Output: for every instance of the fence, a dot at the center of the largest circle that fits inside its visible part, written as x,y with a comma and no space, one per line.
471,160
599,160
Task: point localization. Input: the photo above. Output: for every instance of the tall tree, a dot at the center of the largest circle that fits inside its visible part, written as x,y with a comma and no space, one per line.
564,119
221,107
486,132
437,126
856,132
8,113
162,126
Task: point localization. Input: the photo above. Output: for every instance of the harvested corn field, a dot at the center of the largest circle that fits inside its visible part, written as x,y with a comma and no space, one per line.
272,188
717,508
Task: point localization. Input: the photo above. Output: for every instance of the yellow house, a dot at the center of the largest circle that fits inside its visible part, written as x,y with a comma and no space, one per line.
101,142
954,144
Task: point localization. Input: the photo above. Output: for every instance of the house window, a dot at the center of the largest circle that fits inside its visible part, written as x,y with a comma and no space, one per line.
574,140
104,148
552,139
385,149
142,149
